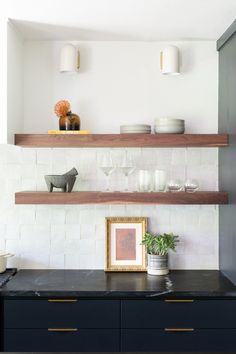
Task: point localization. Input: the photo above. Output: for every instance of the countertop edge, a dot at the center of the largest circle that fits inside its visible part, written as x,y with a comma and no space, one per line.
117,294
209,284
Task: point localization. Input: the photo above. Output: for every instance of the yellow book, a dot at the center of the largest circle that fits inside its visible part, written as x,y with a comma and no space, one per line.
69,132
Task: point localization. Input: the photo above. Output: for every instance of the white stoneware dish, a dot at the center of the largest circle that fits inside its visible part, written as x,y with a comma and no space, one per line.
169,129
166,121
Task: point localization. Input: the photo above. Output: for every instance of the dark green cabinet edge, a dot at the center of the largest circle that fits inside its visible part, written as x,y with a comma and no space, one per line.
226,35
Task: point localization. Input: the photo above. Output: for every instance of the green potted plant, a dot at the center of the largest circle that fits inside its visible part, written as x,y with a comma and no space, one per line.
157,247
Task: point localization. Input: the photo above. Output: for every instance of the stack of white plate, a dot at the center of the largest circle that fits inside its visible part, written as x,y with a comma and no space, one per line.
169,126
135,129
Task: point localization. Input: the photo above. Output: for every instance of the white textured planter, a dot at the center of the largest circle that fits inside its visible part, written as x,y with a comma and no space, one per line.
157,265
3,261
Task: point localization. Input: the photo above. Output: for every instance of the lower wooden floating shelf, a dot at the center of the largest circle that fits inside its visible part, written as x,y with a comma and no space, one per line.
121,140
95,197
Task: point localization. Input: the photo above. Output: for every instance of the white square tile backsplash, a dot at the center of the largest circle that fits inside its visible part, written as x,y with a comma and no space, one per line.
73,236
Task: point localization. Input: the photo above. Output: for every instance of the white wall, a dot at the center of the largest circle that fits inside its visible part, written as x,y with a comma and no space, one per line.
15,77
59,236
120,83
3,80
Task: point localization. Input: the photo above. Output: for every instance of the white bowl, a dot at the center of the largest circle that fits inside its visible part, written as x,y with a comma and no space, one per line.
169,124
136,126
136,132
166,121
169,129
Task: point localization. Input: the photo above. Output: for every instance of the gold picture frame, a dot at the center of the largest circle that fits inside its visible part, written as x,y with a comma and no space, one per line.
123,249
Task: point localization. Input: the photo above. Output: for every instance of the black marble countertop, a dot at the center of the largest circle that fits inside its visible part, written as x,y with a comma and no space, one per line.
7,275
97,283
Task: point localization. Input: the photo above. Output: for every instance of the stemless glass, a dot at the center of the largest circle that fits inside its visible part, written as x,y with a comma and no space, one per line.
145,181
127,167
159,180
107,167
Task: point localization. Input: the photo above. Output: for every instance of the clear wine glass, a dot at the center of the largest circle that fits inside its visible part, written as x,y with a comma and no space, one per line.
127,167
107,167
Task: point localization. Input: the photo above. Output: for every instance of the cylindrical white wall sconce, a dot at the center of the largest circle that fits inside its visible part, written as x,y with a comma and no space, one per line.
169,60
70,59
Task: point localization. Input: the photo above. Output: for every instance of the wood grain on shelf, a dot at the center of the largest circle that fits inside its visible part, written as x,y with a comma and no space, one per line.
121,198
121,140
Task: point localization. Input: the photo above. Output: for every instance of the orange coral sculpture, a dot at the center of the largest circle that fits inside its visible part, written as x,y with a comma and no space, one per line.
62,108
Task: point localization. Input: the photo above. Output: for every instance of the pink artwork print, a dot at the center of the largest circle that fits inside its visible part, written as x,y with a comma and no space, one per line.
125,244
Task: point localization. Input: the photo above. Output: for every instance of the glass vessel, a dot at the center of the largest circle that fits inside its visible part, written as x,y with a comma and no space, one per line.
159,180
74,121
191,185
144,181
174,185
64,123
127,167
107,167
69,122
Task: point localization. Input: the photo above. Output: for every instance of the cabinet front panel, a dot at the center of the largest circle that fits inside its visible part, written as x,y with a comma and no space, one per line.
40,340
151,340
161,314
45,314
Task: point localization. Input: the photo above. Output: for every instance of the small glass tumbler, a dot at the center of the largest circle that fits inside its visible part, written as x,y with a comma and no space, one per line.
159,180
144,181
175,185
191,185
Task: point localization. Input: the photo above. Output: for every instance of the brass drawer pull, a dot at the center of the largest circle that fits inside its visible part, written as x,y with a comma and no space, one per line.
161,60
62,300
62,329
178,301
179,329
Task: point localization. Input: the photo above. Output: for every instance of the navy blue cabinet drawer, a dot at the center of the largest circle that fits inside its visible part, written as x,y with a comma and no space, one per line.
40,340
48,313
161,314
151,340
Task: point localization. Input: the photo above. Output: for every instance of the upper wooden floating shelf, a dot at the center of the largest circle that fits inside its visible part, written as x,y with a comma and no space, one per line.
121,198
121,140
